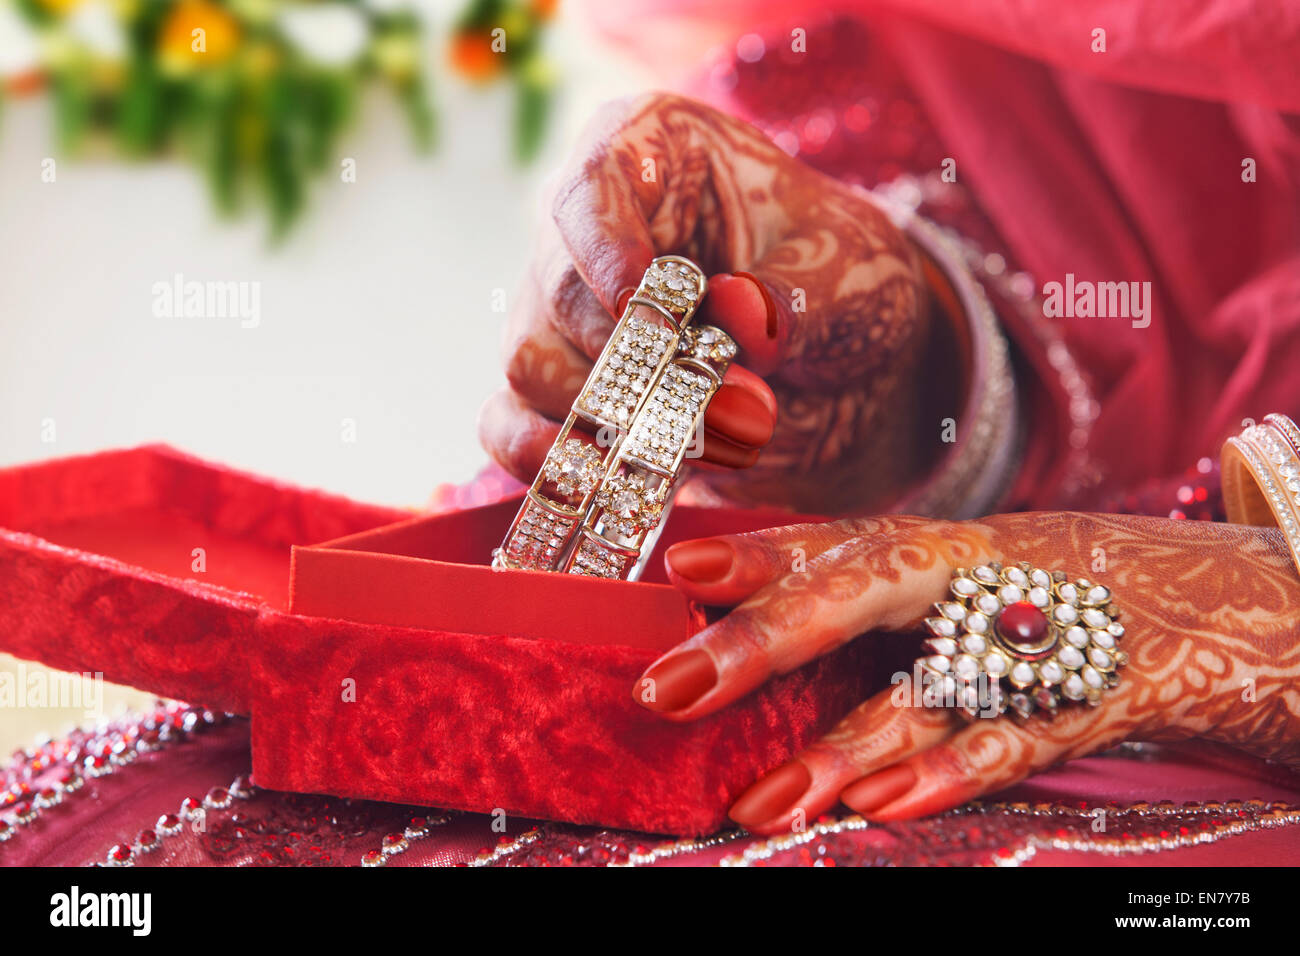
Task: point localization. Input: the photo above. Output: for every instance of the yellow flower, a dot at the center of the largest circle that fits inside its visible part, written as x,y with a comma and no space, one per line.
196,33
59,7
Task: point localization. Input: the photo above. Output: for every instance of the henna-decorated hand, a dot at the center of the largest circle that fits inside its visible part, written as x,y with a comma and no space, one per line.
1212,618
833,310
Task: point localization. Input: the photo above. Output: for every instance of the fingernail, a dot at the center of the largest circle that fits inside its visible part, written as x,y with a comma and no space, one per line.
623,298
700,562
871,793
718,451
679,681
771,796
767,301
740,415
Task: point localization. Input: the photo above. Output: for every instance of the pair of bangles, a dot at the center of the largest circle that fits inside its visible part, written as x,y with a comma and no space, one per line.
603,494
1261,478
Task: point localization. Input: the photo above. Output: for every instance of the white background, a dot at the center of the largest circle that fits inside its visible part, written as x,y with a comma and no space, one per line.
378,308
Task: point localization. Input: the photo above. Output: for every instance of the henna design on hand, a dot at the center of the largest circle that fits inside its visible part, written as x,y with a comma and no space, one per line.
717,190
1211,611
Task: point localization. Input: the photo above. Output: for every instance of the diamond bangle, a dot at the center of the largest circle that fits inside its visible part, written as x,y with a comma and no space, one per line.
631,506
1261,478
640,348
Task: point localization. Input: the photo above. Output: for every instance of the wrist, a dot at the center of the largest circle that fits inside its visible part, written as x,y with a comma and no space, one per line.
965,385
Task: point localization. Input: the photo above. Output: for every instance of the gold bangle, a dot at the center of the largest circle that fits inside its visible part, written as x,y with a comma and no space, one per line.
643,343
631,506
1261,478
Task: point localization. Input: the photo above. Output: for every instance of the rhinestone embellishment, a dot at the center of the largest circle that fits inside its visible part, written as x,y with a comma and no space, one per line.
707,344
539,538
674,285
667,425
596,561
575,467
626,371
628,505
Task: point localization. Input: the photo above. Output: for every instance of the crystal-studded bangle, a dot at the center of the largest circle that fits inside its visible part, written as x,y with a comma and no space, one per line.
631,506
1261,478
641,346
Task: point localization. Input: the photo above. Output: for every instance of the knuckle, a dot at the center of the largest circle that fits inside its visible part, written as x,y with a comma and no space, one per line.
564,289
518,368
953,764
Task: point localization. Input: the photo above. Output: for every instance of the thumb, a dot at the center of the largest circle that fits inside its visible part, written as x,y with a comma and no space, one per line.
744,306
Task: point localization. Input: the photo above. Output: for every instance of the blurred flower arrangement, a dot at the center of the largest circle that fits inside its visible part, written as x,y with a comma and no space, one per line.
257,92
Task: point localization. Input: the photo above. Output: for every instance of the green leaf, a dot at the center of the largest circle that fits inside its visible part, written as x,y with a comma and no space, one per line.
73,106
533,98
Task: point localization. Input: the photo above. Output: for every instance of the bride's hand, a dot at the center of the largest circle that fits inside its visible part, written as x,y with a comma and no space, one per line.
1212,618
833,311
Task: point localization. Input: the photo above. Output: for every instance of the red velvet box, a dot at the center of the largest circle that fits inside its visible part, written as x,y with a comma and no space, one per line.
396,665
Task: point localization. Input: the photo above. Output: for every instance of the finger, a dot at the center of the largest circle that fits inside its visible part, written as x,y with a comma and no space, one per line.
719,452
743,306
744,409
877,734
518,436
515,434
727,569
835,300
542,366
601,204
569,304
988,755
862,584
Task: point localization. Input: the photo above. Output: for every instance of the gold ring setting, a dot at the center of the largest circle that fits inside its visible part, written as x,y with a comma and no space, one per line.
1017,637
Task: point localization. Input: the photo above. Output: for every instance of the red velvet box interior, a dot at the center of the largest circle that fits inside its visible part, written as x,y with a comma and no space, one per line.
404,668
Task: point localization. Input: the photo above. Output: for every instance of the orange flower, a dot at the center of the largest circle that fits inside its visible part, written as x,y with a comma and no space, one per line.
197,33
473,57
544,9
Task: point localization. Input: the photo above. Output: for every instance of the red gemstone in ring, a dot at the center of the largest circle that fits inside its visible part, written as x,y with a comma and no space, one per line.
1023,626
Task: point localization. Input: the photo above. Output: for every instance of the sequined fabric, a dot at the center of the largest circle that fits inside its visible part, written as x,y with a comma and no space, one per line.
170,788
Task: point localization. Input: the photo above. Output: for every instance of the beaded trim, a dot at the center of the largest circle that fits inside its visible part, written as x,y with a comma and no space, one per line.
1192,824
399,842
105,752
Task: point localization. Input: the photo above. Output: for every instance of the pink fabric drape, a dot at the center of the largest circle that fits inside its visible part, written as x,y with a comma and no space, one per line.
1123,165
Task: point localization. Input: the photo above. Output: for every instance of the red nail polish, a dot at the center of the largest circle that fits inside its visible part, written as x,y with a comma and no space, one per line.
740,415
772,327
679,681
771,796
623,298
705,561
872,792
